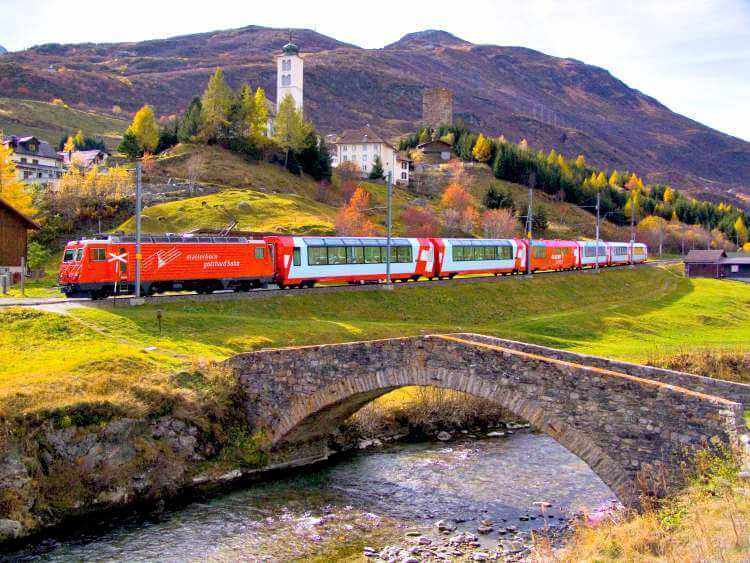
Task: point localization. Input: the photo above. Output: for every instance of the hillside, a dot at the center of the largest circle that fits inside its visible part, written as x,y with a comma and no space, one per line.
50,121
264,197
554,103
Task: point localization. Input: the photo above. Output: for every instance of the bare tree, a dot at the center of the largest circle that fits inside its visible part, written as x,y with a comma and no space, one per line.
195,167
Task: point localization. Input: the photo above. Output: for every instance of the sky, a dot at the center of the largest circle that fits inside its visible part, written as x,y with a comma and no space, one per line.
691,55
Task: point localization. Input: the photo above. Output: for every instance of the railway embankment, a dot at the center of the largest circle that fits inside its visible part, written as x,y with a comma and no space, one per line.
104,409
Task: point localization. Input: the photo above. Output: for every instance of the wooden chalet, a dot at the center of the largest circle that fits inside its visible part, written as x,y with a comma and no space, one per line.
14,231
716,264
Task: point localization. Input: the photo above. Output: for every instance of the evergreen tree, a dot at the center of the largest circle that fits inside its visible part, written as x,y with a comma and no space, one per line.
129,146
191,121
216,108
497,199
539,221
377,169
167,136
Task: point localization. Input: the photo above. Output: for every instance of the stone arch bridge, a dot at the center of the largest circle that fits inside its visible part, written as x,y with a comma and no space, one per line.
633,425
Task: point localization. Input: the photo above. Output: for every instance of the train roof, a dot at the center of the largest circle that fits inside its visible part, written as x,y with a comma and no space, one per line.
355,241
481,241
110,239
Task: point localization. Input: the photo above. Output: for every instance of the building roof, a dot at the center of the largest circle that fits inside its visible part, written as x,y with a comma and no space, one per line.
21,217
84,159
435,143
705,256
20,146
359,136
290,49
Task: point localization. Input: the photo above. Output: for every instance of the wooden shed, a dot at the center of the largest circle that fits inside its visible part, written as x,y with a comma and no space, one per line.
14,231
717,264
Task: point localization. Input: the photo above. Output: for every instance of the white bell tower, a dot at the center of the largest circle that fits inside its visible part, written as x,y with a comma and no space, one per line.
289,74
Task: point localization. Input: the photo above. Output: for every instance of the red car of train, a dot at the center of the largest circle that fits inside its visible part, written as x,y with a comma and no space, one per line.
102,267
105,266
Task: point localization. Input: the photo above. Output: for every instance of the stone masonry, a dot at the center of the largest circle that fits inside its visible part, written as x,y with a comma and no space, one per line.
437,107
633,425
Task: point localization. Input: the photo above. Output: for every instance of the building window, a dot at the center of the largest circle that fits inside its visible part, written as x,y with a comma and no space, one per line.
364,157
404,165
346,148
346,157
35,161
404,176
286,79
23,160
286,64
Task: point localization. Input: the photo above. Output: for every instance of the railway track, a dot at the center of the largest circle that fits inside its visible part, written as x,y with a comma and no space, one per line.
124,300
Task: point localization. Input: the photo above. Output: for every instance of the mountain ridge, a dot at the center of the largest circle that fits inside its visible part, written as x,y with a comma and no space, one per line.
558,103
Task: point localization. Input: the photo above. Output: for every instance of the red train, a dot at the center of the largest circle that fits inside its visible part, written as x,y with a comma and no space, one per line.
101,267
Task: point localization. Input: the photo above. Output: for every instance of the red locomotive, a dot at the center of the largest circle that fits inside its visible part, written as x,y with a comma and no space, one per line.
106,266
101,267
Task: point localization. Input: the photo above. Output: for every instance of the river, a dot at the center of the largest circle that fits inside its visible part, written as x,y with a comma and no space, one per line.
372,498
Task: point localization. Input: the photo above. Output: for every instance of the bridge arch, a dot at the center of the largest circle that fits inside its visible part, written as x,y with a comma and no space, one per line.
623,426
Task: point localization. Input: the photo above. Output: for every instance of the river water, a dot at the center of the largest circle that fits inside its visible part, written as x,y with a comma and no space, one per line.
371,498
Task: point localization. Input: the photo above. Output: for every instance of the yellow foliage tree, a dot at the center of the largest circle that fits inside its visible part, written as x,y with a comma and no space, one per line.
746,247
482,149
599,181
670,196
552,157
614,179
145,128
12,190
217,102
70,144
740,230
580,162
114,183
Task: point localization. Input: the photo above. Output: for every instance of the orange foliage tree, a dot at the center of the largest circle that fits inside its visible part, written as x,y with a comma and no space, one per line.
498,223
352,220
459,212
420,222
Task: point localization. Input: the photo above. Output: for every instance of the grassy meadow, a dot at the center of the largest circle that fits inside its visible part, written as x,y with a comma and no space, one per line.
49,360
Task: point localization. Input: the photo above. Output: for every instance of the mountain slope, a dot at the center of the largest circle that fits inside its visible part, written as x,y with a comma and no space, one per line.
554,103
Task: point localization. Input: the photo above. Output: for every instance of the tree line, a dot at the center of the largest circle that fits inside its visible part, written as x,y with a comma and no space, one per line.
623,195
237,120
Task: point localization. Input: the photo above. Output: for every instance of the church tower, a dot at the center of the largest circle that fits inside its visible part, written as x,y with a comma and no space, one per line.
289,74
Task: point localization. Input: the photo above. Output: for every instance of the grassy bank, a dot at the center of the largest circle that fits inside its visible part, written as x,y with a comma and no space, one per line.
98,354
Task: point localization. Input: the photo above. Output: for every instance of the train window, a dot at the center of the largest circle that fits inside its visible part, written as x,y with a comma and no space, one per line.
404,254
458,253
79,254
337,255
317,256
297,258
355,255
98,255
260,253
372,255
69,256
504,253
540,252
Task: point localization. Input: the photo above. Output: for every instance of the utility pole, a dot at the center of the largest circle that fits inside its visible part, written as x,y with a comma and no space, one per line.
389,195
598,201
530,222
138,229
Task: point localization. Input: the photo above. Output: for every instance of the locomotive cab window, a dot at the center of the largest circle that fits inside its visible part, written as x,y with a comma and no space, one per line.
260,253
69,256
98,255
79,254
297,261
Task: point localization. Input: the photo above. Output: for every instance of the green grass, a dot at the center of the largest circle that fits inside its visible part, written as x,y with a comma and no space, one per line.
101,352
254,210
49,121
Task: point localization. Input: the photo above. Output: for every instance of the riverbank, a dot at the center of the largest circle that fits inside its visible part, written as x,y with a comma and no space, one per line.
99,409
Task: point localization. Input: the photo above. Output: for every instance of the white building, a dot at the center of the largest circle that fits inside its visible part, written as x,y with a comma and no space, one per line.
363,147
289,75
36,161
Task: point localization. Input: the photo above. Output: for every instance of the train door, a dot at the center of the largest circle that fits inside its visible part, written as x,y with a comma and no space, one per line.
97,267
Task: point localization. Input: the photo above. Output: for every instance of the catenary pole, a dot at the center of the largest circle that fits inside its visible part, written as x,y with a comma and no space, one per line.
389,195
530,223
138,202
598,221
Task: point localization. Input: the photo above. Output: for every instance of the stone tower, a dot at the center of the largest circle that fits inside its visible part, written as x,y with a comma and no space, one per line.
289,74
437,107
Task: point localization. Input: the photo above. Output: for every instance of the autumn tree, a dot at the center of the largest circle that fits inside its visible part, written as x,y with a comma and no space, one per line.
740,231
216,107
259,123
458,210
290,128
580,162
498,223
653,231
352,220
145,129
12,190
420,222
482,149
